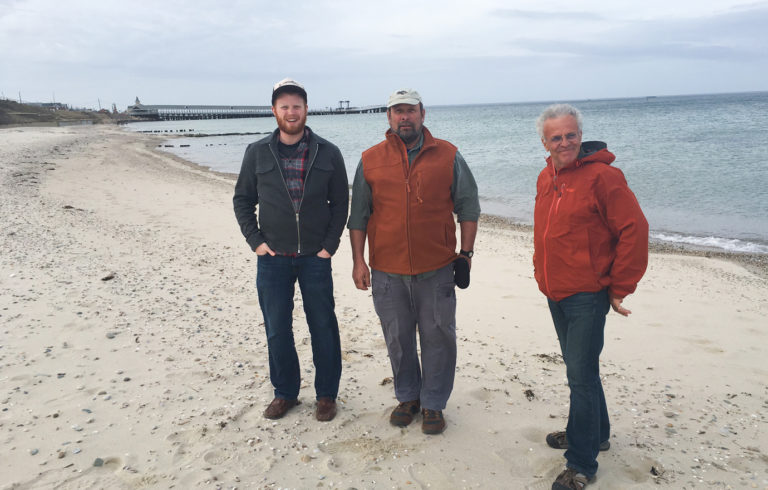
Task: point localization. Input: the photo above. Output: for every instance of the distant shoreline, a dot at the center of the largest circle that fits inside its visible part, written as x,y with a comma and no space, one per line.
13,114
596,99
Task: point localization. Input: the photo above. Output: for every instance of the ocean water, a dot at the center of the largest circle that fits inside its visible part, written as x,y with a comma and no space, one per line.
695,163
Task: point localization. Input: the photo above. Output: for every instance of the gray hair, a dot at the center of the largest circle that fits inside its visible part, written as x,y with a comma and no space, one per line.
554,111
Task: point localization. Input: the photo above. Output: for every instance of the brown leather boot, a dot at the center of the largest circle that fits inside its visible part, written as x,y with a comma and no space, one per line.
326,409
279,407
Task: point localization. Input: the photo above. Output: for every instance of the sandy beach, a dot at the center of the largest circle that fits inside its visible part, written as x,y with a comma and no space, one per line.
132,351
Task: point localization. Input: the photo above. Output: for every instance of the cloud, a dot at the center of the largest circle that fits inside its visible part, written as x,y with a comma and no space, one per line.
545,15
202,51
730,35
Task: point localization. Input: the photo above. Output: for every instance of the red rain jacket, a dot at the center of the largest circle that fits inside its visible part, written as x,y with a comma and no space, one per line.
589,231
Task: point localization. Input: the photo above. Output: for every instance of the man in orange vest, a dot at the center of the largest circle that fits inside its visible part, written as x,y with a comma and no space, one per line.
405,192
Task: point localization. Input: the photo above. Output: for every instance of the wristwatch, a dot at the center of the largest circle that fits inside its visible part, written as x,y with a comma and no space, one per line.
467,253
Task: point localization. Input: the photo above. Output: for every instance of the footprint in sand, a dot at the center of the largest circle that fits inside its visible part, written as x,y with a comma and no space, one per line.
215,457
113,463
535,435
536,463
357,453
628,470
706,345
430,476
482,394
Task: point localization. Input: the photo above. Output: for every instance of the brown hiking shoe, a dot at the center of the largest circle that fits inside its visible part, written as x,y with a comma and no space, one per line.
570,479
279,407
432,422
558,440
326,409
403,413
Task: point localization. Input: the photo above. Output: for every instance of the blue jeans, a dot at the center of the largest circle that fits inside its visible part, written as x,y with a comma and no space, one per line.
275,280
579,321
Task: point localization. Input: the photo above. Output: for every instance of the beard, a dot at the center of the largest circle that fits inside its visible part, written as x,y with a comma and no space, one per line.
291,128
409,134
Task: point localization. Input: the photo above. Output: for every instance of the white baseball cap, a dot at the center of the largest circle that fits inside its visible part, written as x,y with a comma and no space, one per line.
285,82
284,85
404,96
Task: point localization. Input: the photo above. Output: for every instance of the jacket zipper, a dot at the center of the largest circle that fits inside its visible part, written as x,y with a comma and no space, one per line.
553,207
306,177
407,170
296,213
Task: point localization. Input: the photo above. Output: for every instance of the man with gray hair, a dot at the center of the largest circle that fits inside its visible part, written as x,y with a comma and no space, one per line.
405,192
590,251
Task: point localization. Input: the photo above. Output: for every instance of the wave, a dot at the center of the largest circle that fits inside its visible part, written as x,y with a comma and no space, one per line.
712,242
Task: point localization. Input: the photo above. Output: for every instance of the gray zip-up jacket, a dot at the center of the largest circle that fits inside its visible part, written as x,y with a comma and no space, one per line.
320,220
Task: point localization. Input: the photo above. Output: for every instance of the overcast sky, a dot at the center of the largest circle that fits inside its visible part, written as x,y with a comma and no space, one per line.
454,52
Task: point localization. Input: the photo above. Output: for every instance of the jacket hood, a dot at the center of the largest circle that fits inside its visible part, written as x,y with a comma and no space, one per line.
594,151
590,152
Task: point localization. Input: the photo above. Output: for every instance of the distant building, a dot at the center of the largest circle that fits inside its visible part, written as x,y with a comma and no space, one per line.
54,106
140,110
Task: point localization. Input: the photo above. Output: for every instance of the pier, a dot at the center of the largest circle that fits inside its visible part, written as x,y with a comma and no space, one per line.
142,112
349,110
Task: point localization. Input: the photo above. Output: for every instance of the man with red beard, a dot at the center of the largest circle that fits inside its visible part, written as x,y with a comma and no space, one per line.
590,250
298,183
404,195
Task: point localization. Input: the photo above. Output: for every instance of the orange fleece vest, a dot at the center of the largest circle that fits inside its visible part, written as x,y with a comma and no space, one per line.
411,229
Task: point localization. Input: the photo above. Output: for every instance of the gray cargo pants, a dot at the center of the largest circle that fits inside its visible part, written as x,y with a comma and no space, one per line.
405,304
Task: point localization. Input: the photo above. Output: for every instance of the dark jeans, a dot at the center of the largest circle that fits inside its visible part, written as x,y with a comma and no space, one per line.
275,280
579,321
